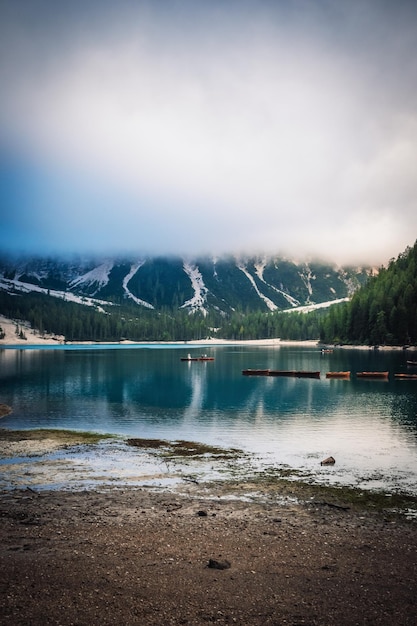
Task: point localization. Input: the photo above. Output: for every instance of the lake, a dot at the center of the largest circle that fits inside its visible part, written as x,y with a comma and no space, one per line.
146,391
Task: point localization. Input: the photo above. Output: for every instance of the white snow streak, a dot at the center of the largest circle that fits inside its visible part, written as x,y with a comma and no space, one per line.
312,307
17,285
215,275
307,278
271,305
197,302
259,271
133,269
99,276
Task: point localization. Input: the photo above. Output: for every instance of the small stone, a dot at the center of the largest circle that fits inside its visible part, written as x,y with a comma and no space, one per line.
214,564
329,461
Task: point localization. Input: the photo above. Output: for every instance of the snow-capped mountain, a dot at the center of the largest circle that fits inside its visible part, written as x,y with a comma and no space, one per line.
224,284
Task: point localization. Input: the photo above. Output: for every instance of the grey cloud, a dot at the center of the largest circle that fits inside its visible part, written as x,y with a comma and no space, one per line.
266,124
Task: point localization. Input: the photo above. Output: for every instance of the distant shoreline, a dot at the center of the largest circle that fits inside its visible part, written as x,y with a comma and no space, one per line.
33,339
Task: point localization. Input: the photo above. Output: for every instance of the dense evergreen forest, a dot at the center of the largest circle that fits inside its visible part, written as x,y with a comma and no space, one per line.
77,322
384,311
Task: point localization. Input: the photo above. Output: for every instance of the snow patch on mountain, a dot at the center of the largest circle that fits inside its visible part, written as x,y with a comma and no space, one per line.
98,276
198,301
133,269
215,274
271,305
293,301
314,307
266,283
36,275
259,271
13,286
307,277
352,284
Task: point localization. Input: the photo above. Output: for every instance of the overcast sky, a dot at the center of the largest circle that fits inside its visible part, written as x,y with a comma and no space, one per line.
209,126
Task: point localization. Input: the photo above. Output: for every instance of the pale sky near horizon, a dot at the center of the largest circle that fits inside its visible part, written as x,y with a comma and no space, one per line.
198,127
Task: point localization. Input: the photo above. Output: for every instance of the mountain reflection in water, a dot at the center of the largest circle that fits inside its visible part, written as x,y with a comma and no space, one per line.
369,426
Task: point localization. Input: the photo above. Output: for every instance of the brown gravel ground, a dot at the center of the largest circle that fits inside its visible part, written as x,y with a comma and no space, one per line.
136,556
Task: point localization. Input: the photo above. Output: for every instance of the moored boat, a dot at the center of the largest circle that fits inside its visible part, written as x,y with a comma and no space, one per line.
203,357
406,376
296,373
338,374
383,375
412,363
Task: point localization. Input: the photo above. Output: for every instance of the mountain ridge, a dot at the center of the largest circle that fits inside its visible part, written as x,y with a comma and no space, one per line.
223,284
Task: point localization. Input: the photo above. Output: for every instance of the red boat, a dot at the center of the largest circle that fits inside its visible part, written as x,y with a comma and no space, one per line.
406,376
338,374
383,375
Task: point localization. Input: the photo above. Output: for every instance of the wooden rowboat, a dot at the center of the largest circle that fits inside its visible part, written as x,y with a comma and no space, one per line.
296,373
383,375
406,376
338,374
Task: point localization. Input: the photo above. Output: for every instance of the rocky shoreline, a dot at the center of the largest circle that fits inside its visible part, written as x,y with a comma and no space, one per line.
226,552
138,556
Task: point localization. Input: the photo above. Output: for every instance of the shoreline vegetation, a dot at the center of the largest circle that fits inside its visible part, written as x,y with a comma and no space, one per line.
32,339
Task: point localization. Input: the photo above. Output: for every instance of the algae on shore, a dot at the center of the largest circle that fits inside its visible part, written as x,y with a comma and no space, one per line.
237,480
185,448
70,437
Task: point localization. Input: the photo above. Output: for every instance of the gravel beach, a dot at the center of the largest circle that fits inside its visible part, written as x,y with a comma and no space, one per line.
223,553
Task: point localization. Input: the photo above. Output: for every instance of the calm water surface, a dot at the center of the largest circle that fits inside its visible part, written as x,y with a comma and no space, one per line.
369,426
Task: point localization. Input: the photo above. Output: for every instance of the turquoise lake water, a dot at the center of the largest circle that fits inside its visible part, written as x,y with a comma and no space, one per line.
369,426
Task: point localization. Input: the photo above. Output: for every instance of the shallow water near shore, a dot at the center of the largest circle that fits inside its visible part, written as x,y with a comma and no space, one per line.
369,426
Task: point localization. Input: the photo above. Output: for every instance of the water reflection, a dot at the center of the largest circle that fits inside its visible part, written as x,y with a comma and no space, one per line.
198,384
369,426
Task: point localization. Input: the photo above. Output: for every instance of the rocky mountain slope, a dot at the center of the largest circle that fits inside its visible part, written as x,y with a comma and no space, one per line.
224,284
